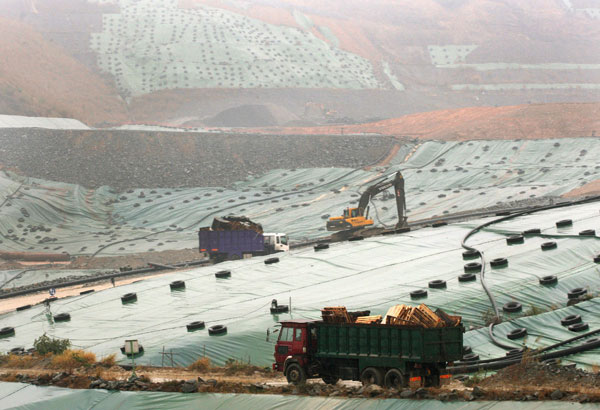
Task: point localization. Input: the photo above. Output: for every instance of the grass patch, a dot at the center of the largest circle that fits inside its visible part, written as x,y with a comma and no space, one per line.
21,362
200,365
108,361
72,359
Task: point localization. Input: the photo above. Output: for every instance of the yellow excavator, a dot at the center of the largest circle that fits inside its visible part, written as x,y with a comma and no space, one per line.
356,218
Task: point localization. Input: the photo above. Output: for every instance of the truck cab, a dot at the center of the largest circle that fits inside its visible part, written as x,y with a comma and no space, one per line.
295,346
276,242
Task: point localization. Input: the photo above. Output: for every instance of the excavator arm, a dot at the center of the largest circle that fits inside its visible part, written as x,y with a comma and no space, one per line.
360,217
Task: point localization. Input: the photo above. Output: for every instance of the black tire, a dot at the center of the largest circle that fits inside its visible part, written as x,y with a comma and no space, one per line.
517,333
271,261
532,231
395,379
579,327
597,259
438,284
321,246
470,357
217,330
587,232
437,225
356,238
499,262
515,352
570,320
17,350
576,293
280,309
197,325
330,379
467,277
62,317
592,340
371,375
546,246
548,280
295,374
470,254
467,349
24,307
85,292
472,267
178,284
7,331
223,274
515,239
563,223
512,307
129,297
418,294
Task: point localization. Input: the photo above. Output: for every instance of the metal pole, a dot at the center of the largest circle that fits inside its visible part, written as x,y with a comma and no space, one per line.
290,304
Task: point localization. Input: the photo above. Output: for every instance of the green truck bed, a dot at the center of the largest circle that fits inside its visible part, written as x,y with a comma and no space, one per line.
384,343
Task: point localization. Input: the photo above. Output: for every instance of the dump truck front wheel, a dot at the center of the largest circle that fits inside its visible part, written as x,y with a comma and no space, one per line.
295,374
394,379
371,375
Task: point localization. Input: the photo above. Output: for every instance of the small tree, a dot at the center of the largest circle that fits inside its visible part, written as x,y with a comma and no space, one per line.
45,344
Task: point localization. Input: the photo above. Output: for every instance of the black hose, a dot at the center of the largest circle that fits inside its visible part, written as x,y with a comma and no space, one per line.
497,318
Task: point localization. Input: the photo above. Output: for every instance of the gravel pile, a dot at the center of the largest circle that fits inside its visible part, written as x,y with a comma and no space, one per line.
138,159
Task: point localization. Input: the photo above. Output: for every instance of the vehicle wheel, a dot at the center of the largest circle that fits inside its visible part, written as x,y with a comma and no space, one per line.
195,325
295,374
371,375
330,379
587,232
570,320
394,379
517,333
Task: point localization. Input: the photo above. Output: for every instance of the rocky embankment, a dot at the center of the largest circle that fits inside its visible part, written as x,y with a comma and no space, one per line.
138,159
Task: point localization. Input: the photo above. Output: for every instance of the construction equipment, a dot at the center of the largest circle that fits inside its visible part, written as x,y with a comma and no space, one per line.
412,346
237,237
356,218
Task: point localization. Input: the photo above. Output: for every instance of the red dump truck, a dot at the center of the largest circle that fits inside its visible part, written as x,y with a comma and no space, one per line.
237,237
386,355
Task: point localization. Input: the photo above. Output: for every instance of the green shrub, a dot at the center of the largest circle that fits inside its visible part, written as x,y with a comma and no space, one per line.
45,344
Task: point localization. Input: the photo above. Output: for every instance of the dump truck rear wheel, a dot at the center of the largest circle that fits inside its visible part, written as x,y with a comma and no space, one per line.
295,374
394,379
371,375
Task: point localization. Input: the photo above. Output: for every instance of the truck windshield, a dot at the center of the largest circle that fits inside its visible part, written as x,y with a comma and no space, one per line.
284,240
346,213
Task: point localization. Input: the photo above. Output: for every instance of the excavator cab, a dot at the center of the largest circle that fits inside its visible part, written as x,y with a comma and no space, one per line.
356,218
351,218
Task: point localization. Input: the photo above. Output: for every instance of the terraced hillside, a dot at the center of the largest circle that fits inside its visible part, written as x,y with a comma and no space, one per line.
189,61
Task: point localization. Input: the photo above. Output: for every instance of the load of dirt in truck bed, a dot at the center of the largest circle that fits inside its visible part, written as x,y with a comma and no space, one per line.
234,223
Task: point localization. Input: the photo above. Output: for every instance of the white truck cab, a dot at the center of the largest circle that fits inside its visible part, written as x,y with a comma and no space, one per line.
277,241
